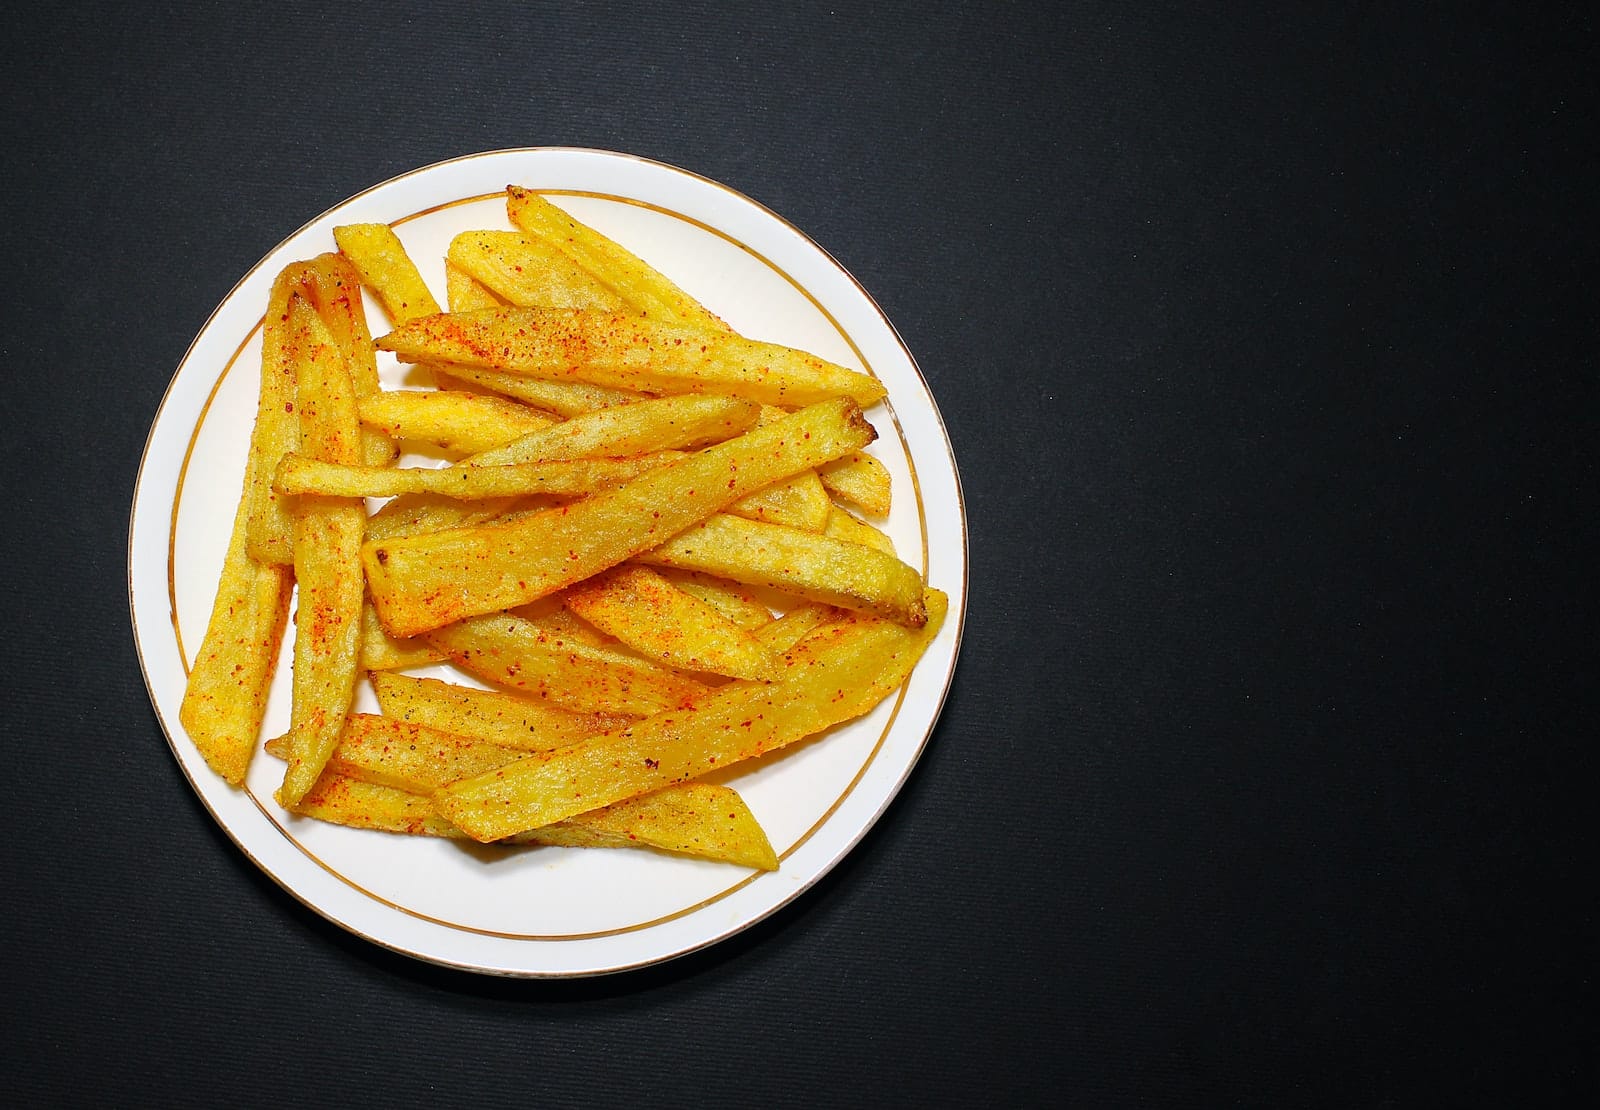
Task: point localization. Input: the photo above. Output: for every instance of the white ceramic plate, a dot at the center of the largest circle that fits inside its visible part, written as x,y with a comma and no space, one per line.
550,911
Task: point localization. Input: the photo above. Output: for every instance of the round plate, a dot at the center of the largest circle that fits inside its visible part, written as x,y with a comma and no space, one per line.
550,911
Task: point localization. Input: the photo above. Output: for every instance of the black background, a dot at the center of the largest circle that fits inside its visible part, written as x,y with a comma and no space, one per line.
1265,344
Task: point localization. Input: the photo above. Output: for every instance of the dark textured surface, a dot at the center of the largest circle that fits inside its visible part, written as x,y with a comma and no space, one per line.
1265,344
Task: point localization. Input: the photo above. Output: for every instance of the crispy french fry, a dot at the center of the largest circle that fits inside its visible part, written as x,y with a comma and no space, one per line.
624,351
842,525
554,619
270,536
691,818
451,419
564,398
696,819
517,653
383,652
334,289
527,271
788,630
804,564
509,720
799,502
327,559
731,599
661,622
414,513
464,292
567,477
860,479
384,267
227,688
421,582
839,672
661,424
404,755
636,282
341,800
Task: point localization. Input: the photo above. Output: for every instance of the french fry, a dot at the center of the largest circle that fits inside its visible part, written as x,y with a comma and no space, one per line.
860,479
383,652
564,398
414,513
842,525
270,531
509,720
622,351
517,653
334,289
451,419
731,599
567,477
838,673
803,564
384,267
781,635
341,800
636,282
554,619
663,623
421,582
798,501
327,560
697,819
526,271
661,424
226,692
405,756
463,292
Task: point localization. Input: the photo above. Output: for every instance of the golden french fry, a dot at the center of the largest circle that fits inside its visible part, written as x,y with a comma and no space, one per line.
327,559
527,271
781,635
270,536
567,477
451,419
334,289
804,564
227,688
341,800
517,653
860,479
383,652
563,398
384,267
731,599
839,672
636,282
509,720
463,292
690,818
414,513
696,819
663,623
620,350
799,502
660,424
421,582
404,755
842,525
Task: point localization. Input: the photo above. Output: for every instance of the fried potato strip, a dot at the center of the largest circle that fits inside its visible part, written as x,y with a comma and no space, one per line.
837,673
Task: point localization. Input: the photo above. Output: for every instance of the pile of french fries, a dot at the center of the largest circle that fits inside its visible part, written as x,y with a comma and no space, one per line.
640,544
